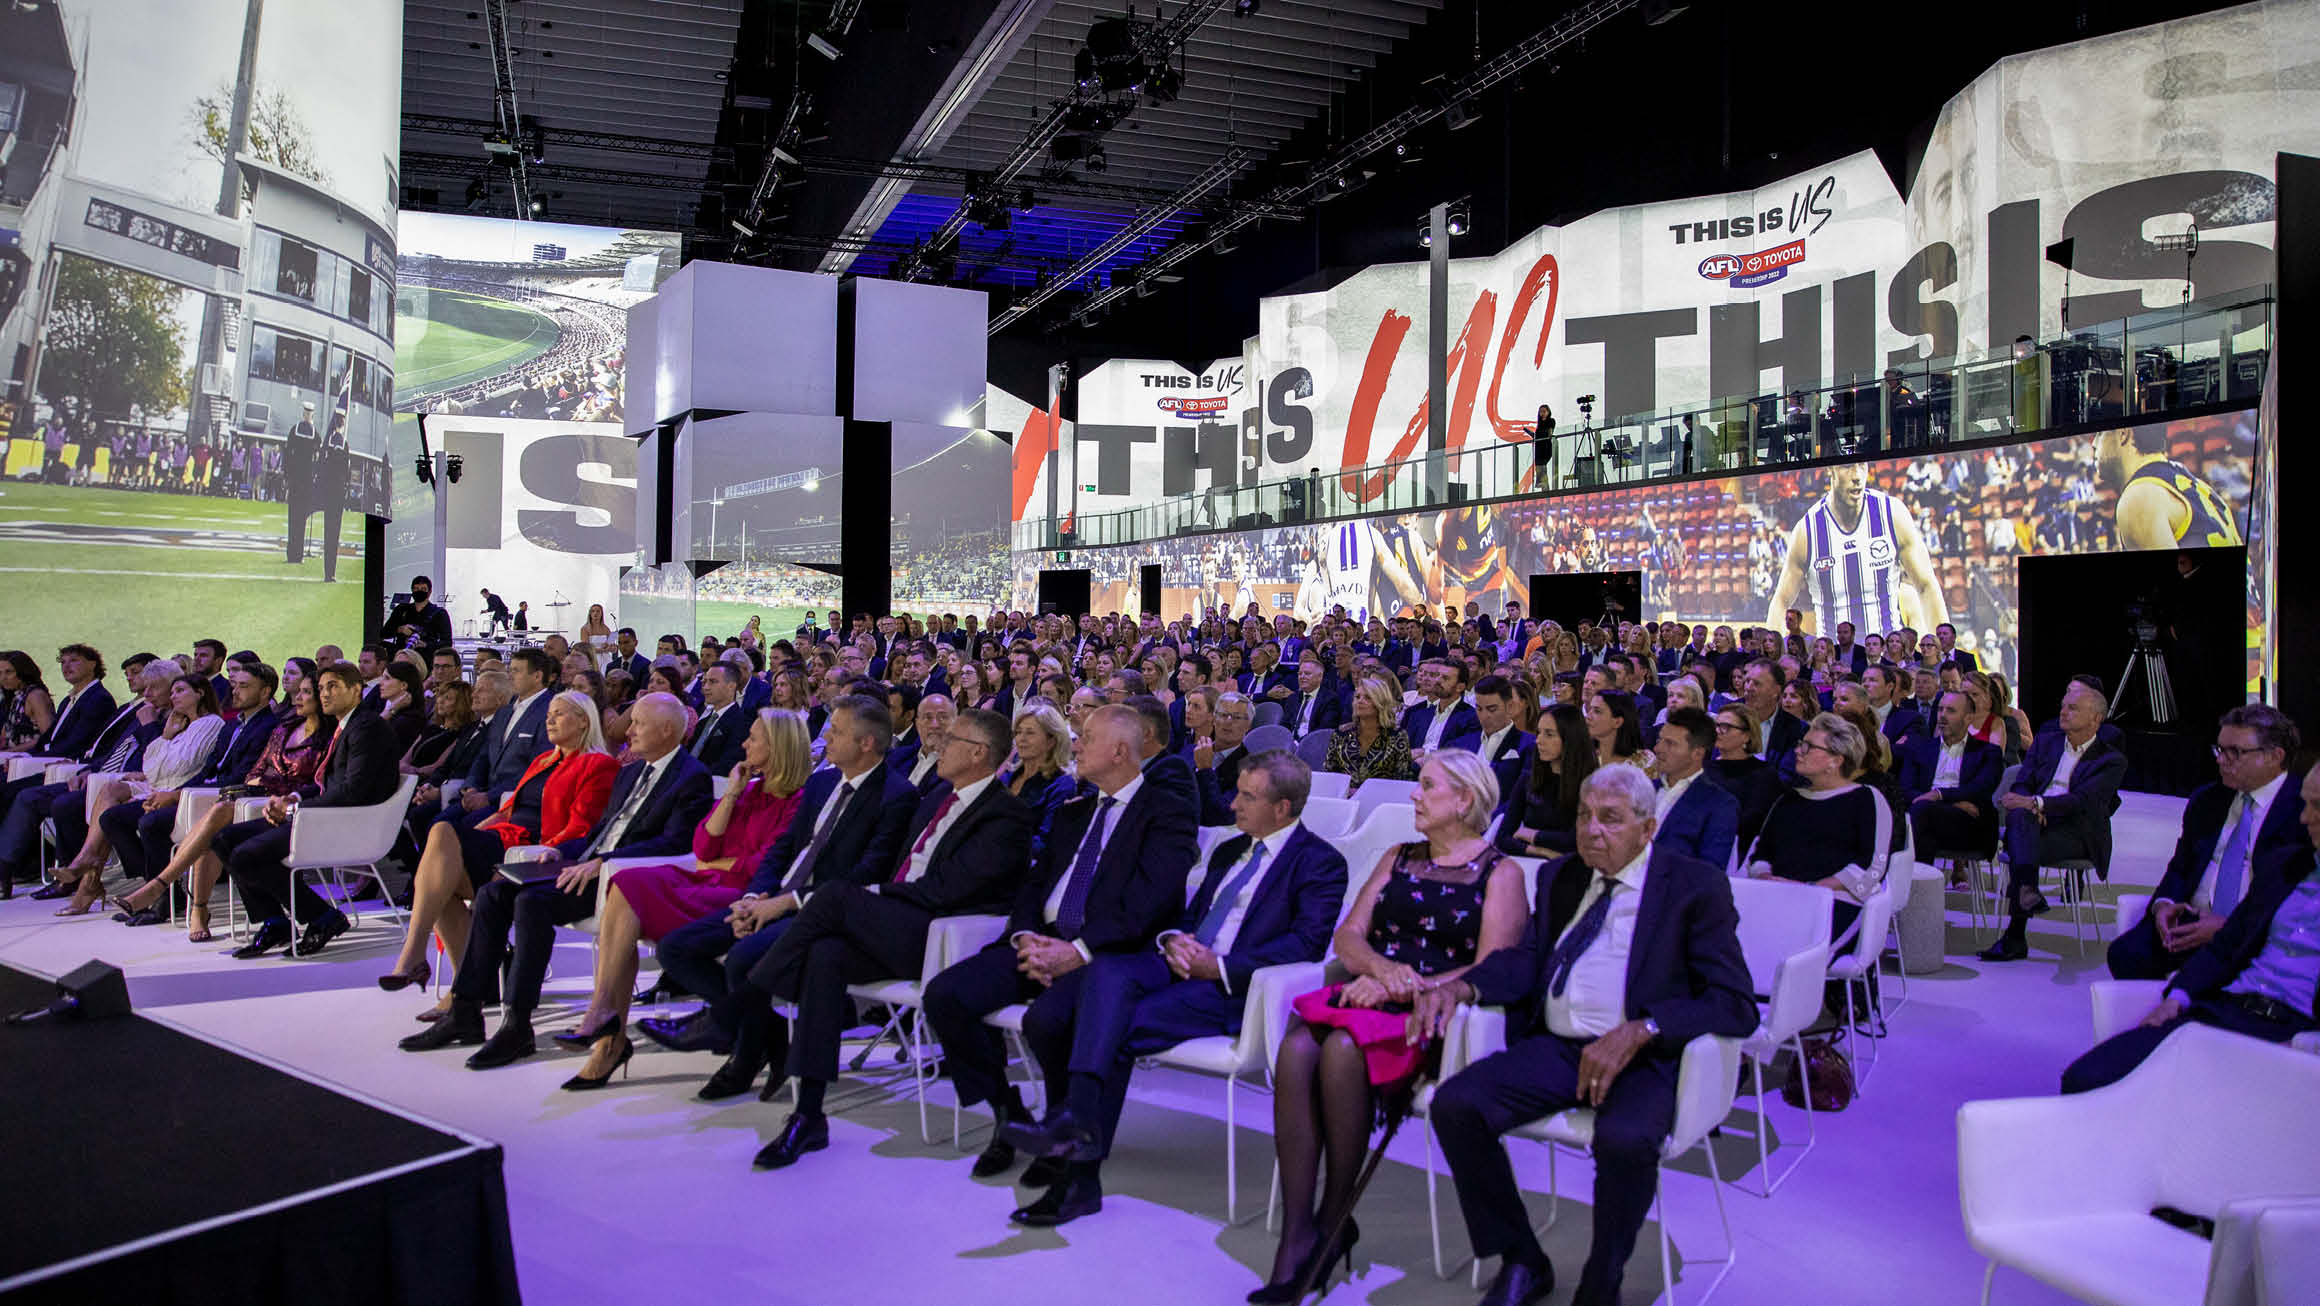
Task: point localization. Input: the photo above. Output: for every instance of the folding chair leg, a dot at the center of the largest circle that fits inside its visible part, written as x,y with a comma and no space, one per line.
1232,1173
1434,1208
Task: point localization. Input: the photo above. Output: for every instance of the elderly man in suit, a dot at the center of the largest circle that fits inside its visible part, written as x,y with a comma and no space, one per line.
1270,897
1318,706
1949,780
1216,761
964,852
2255,977
2229,828
2059,808
1632,952
1505,745
1109,877
1696,817
656,801
849,821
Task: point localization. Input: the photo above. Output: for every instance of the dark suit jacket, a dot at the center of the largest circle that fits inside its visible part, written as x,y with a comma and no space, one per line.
239,746
1703,824
1781,734
1509,762
1218,783
499,765
1905,720
1329,709
2203,818
756,696
1139,880
2093,794
109,732
1978,774
74,734
1855,657
664,826
1290,916
1464,731
1963,660
2270,880
860,848
637,665
725,739
1684,967
362,765
979,860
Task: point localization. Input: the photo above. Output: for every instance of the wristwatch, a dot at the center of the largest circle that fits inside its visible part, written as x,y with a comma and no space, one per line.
1651,1027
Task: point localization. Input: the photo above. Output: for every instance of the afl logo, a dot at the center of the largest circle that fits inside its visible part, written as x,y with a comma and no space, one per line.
1718,266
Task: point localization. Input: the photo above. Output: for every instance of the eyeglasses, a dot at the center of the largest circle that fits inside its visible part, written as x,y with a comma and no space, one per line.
1722,726
2226,753
1803,744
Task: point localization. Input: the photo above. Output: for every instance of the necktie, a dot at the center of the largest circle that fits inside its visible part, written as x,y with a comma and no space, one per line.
1071,913
701,732
926,836
1575,942
620,819
1212,924
2231,868
804,869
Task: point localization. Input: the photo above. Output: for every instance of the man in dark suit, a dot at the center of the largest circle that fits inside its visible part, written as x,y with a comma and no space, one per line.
1400,651
2060,807
299,447
1110,875
1504,744
1270,897
1846,654
1945,635
86,709
626,658
2257,802
902,705
515,735
1897,717
849,821
1192,673
1696,817
1949,779
1761,681
1318,706
358,770
964,852
118,747
2255,977
657,800
139,830
1600,1009
724,725
1216,761
1442,719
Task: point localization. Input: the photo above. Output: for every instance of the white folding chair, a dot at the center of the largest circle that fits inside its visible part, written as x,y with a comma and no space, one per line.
1784,935
1245,1060
1860,961
1329,817
949,940
1330,784
333,841
1377,793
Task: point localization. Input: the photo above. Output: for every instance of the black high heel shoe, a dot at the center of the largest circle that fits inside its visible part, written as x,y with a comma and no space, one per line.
585,1084
1281,1292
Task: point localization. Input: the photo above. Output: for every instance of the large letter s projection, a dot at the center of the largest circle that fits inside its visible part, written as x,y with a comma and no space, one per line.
550,468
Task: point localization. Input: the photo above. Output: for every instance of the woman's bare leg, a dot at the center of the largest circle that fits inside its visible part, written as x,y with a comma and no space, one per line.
436,888
617,931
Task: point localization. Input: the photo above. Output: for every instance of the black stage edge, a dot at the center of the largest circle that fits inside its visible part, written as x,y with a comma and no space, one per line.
146,1165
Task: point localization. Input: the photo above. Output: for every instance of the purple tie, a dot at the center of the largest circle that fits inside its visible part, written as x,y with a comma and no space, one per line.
1567,952
805,866
1072,912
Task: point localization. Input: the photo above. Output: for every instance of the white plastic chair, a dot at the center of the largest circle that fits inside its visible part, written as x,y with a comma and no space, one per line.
2210,1117
718,784
1378,793
1245,1060
1330,784
949,940
335,840
2120,1005
1705,1083
1784,935
1330,817
1860,960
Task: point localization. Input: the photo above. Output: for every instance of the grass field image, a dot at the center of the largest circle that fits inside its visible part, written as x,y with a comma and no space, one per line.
179,562
457,337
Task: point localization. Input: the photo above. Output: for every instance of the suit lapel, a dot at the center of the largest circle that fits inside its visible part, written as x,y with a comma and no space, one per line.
958,830
1647,913
1212,871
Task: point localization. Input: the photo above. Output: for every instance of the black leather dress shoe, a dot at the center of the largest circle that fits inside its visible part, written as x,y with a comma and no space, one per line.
463,1027
732,1079
1518,1284
55,889
2007,948
1046,1172
800,1134
508,1044
271,935
1062,1204
698,1032
998,1157
319,932
1060,1136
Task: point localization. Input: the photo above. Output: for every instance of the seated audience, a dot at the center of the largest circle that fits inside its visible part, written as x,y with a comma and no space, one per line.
1948,784
718,738
2059,809
1441,718
1614,728
1371,746
1695,817
1541,813
27,710
139,830
1040,772
1739,761
174,759
1830,830
1216,762
1505,745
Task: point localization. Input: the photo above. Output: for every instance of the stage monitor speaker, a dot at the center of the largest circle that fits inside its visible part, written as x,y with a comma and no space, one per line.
1150,576
92,990
1568,598
1068,592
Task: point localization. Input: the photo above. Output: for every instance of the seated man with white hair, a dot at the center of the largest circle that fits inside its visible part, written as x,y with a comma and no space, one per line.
1610,982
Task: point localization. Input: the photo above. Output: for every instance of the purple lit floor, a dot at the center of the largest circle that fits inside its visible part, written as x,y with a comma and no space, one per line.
640,1194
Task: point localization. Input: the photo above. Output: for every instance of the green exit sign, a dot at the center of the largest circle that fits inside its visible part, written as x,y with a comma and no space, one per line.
1063,555
1087,489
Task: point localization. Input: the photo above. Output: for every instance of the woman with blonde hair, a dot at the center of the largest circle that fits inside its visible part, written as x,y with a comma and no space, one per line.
1371,745
561,796
644,903
1040,772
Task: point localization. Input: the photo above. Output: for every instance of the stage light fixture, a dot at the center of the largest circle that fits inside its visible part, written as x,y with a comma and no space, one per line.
539,206
454,464
1461,114
1426,232
743,229
820,45
1098,161
425,467
1461,218
785,158
1246,8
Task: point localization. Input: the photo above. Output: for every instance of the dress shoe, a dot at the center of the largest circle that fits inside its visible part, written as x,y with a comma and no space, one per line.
698,1032
1062,1204
462,1026
997,1158
586,1083
1292,1289
582,1037
319,932
55,889
1061,1136
508,1044
800,1134
271,935
1046,1172
2007,948
396,981
732,1079
1518,1284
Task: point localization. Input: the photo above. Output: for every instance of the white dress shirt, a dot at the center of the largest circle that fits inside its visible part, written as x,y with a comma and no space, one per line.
2062,769
1304,725
1231,929
923,764
1594,998
1494,740
516,712
1671,792
1951,766
1433,739
2253,807
922,852
1121,798
630,806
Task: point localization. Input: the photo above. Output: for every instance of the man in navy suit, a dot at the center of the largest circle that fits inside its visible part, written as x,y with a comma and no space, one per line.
139,830
656,801
1192,673
2060,807
724,725
1318,706
2229,828
1631,953
1270,897
1109,877
1696,816
964,853
1846,654
1442,719
86,708
1400,652
516,734
1945,635
626,658
849,820
1897,717
1949,779
1505,745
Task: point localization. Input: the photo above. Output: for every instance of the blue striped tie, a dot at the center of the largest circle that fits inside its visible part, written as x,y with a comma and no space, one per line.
1212,924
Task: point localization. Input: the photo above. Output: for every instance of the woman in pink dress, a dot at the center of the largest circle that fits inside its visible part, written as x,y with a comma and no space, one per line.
646,902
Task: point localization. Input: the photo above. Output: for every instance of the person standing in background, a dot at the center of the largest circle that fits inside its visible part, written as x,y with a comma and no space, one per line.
298,460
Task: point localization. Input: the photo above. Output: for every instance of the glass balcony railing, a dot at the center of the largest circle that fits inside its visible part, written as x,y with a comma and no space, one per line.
2206,351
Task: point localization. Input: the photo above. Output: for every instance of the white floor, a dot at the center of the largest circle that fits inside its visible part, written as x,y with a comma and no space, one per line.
639,1194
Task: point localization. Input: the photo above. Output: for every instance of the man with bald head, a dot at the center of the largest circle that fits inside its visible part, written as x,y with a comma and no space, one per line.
935,713
1109,877
657,800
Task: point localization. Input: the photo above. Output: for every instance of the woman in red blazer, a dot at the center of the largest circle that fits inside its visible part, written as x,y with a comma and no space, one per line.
561,796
